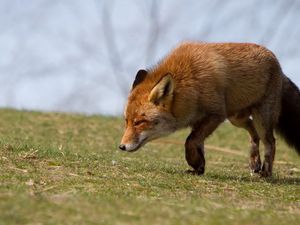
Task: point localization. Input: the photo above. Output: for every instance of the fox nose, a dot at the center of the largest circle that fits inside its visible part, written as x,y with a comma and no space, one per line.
122,147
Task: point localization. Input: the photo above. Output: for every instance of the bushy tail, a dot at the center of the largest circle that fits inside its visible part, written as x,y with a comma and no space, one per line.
289,120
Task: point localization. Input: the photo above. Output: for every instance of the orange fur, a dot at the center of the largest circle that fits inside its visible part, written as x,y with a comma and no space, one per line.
199,85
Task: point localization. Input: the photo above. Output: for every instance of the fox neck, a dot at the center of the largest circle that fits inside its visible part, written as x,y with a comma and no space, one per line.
188,119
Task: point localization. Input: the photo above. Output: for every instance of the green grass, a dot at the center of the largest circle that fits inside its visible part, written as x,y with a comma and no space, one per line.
66,169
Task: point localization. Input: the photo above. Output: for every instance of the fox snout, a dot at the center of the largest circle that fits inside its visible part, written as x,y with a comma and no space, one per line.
129,147
122,147
132,141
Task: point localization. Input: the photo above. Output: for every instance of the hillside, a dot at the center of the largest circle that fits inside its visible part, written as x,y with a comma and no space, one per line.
66,169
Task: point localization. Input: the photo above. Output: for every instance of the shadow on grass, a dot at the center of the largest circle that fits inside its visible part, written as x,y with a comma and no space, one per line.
236,177
254,179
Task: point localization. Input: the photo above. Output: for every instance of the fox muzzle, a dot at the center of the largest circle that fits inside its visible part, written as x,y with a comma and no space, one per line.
122,147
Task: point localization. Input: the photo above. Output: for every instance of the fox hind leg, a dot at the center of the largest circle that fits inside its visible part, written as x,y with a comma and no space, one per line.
265,117
242,120
265,128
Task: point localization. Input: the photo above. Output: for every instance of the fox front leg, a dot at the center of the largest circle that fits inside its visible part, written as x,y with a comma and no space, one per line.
194,155
194,145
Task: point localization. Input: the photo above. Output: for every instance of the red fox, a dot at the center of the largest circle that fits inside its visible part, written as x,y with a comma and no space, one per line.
199,85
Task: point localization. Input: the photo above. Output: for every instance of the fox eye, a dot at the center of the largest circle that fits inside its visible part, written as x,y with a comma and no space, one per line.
139,122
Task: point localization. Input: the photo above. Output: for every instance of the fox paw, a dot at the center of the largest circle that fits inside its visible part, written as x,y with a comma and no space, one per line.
265,173
255,165
198,172
255,168
266,170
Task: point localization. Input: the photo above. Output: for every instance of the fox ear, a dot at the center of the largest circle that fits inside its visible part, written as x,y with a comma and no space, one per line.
162,91
140,76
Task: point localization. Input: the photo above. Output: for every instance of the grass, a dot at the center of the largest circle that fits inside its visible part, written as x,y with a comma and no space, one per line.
66,169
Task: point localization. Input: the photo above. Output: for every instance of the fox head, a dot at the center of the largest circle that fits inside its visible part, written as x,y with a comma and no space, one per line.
148,112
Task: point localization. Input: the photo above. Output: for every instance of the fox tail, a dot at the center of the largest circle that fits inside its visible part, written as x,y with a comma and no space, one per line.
288,125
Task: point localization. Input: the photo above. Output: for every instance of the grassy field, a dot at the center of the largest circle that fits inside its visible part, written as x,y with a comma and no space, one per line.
66,169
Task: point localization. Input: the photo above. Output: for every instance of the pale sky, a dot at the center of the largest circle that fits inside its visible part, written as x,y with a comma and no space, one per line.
81,56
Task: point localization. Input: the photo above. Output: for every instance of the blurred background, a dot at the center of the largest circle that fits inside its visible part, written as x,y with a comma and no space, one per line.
82,55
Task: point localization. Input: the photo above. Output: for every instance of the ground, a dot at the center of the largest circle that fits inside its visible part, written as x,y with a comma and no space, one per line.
66,169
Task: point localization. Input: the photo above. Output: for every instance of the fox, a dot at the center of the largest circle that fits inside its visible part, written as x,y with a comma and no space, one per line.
199,86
